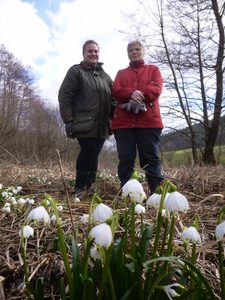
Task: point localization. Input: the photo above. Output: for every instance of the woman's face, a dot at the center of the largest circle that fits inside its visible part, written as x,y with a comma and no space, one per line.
135,52
91,54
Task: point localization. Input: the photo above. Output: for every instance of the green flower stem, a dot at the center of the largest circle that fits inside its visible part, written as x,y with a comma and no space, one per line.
105,273
164,237
192,296
133,228
25,263
126,226
66,262
171,235
169,246
158,230
113,295
90,213
142,225
159,223
62,244
222,284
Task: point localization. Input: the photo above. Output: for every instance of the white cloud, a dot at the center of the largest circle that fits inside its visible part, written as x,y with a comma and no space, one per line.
52,45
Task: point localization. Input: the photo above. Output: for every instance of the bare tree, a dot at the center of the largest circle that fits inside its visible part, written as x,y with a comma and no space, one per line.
185,38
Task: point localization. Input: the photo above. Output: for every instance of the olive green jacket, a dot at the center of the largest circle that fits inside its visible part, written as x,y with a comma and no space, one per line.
85,98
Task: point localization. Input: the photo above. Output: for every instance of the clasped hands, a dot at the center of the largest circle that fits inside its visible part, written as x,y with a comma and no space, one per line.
135,103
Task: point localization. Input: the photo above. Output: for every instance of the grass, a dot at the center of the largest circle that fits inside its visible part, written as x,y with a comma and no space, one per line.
184,157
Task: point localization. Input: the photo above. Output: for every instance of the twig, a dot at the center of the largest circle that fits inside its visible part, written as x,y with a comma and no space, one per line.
67,196
9,153
32,275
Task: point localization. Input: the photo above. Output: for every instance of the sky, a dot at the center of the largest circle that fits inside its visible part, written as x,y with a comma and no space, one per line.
48,36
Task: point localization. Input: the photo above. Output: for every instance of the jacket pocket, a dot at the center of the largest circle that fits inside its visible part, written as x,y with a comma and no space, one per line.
82,123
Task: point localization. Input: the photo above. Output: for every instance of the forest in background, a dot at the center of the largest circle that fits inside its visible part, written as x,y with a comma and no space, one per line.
31,130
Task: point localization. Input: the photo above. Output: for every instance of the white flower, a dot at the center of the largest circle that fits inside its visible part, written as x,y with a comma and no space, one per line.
19,188
31,201
38,214
59,208
171,292
134,189
220,231
101,213
47,202
154,201
1,186
85,218
176,202
12,199
139,209
77,200
21,201
7,204
53,218
6,209
14,191
191,234
10,194
95,253
27,232
4,194
102,235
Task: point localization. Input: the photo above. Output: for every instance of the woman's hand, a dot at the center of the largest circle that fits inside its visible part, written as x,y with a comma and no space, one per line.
138,96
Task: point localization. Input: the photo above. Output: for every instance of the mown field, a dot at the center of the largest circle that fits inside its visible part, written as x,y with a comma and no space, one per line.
204,187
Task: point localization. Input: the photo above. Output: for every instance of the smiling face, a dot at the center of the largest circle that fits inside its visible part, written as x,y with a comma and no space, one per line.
91,54
135,52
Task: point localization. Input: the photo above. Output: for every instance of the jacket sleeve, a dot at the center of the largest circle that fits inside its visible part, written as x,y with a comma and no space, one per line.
153,90
119,92
66,95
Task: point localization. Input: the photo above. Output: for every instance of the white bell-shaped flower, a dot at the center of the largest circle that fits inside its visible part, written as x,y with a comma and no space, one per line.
154,201
85,218
101,213
220,231
27,232
102,235
176,202
95,253
38,214
191,234
21,201
171,292
139,209
134,189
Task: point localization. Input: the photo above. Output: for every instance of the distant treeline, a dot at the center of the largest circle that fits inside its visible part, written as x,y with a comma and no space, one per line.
180,139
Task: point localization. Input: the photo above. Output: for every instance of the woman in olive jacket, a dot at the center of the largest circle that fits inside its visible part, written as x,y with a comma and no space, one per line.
86,107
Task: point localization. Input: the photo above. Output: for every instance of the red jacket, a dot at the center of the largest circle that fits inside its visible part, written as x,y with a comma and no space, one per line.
145,78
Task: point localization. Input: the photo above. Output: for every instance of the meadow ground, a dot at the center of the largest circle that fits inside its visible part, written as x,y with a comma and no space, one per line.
204,187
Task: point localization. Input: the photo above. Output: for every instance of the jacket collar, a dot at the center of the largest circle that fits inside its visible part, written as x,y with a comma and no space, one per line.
137,64
88,66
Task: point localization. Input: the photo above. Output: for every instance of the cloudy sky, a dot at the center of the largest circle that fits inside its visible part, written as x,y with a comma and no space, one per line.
48,36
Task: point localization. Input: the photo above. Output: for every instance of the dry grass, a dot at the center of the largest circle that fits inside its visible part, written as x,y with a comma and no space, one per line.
204,187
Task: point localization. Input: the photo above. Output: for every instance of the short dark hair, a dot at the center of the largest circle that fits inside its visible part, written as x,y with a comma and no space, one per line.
134,43
88,43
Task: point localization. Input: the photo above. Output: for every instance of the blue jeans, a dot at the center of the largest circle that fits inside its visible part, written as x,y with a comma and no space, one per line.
146,141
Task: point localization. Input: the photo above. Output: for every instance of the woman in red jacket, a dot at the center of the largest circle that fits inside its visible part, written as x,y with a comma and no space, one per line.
137,122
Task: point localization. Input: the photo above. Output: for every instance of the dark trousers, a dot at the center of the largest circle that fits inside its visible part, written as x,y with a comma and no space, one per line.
87,161
146,141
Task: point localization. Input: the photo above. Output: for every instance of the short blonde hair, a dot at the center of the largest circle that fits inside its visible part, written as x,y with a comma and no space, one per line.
136,42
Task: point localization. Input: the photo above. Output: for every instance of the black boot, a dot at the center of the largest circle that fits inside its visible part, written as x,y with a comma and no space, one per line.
153,183
81,179
91,181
